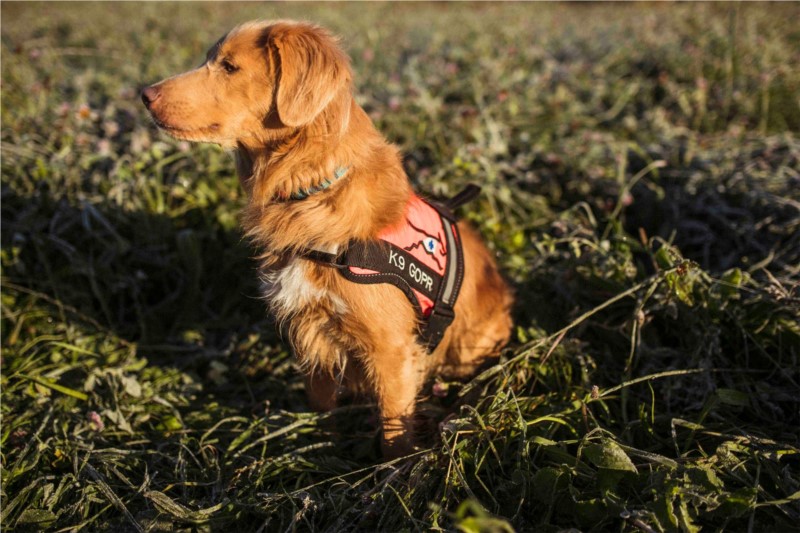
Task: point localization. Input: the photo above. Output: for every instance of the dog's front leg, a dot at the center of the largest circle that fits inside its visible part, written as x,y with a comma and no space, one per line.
397,381
321,388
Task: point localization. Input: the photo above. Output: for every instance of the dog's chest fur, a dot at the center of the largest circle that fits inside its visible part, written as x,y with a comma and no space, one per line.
314,315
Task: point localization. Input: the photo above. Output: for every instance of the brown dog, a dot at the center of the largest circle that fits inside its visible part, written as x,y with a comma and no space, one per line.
280,95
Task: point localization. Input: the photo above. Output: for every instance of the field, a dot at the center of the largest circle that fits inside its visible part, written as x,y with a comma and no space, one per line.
640,167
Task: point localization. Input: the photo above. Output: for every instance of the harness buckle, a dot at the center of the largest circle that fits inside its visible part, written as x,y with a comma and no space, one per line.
438,321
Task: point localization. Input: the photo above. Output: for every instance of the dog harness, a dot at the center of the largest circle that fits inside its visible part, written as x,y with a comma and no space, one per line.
421,256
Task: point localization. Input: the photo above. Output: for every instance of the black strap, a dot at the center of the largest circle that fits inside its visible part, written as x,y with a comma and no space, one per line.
325,258
386,258
469,193
438,321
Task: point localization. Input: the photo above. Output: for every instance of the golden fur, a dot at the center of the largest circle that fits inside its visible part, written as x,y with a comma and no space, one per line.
280,95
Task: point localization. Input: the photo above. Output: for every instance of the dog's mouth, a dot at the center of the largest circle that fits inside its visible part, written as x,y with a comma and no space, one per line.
178,131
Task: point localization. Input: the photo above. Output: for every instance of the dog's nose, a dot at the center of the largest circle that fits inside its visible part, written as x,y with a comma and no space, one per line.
150,95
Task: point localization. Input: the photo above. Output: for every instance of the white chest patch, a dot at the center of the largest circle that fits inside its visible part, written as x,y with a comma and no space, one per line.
289,290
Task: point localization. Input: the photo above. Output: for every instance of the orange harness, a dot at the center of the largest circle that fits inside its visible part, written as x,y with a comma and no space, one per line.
421,256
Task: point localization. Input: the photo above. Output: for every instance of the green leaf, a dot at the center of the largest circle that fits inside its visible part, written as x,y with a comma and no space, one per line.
168,506
590,513
663,258
685,517
733,397
541,441
739,502
56,387
38,517
474,524
681,286
607,480
608,454
547,483
705,477
471,517
118,419
171,423
663,505
732,282
131,385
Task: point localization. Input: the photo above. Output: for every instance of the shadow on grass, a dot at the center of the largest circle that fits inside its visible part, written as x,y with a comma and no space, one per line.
183,288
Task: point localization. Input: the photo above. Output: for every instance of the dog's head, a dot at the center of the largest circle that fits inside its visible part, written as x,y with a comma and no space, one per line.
260,82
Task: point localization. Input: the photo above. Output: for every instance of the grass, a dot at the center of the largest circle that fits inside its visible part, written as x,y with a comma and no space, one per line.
641,177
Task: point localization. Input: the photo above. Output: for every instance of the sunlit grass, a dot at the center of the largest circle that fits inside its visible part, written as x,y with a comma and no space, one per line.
641,177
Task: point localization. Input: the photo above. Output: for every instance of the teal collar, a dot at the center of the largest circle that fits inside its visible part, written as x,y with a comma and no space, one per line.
302,193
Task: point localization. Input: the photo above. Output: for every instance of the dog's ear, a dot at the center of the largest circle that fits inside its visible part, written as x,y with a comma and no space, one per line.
313,69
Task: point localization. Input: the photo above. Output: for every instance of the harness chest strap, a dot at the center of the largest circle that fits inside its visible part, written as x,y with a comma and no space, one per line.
430,278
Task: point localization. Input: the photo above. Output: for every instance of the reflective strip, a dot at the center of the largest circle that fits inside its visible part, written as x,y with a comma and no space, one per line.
452,262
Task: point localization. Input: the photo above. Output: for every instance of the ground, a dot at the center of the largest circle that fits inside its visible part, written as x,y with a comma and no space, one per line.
641,189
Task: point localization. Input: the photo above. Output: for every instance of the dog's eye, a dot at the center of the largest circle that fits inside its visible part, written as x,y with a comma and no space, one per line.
229,67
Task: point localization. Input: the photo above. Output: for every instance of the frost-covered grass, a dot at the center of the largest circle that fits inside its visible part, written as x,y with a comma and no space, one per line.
641,177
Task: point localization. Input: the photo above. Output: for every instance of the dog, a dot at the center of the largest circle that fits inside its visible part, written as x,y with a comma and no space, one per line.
321,179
